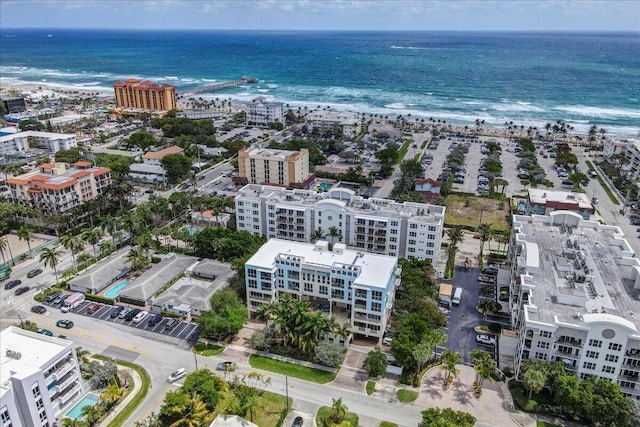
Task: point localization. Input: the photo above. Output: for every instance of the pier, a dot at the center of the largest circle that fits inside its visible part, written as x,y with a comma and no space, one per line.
218,86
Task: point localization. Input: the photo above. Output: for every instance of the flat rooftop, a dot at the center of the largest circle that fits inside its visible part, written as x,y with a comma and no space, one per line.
541,197
347,199
35,350
375,270
578,269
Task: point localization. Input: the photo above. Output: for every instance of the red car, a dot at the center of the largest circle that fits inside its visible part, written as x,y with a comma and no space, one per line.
93,308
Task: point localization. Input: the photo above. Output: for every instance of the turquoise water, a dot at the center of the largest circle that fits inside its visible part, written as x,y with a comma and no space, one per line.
192,230
113,292
325,186
88,400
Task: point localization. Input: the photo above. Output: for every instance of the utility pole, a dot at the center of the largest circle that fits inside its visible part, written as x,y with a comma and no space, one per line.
195,358
286,392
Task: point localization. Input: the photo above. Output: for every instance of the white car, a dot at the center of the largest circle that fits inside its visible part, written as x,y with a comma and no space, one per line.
175,376
387,341
485,339
140,316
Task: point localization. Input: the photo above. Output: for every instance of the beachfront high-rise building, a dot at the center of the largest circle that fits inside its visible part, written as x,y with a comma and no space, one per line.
346,124
58,188
574,298
350,281
40,378
278,167
260,112
409,230
146,95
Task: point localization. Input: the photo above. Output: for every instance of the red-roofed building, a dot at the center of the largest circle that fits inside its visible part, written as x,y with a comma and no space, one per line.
429,188
145,95
55,188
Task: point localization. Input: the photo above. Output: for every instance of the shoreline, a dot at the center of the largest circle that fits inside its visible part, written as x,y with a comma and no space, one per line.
468,128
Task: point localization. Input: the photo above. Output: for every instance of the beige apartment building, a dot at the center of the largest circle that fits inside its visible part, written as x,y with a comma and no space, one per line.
277,167
59,187
146,95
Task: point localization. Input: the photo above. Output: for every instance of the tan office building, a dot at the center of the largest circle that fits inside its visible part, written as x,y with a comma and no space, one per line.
146,95
279,167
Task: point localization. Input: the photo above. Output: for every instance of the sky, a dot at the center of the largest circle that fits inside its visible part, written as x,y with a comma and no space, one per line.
457,15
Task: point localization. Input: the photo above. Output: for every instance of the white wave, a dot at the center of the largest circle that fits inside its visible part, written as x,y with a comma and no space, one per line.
396,106
272,85
88,84
263,90
472,103
209,80
516,107
409,47
599,112
171,78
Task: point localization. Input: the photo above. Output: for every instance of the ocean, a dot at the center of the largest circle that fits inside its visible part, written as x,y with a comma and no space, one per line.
527,78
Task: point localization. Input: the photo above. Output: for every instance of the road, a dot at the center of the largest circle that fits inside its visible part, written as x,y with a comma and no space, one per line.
161,355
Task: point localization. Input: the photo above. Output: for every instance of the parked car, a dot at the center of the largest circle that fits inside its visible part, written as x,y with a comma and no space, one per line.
61,299
594,200
116,312
22,290
40,309
44,331
154,320
387,341
34,273
297,422
93,308
52,297
175,376
485,339
12,284
139,317
226,366
64,323
131,314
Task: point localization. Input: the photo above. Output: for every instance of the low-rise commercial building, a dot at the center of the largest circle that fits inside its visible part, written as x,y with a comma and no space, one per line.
59,187
543,202
360,283
408,230
574,298
40,377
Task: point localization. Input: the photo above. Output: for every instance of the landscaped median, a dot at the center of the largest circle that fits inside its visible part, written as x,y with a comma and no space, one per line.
277,364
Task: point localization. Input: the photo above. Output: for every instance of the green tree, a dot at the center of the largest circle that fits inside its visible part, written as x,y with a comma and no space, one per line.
24,233
92,236
448,363
71,155
193,413
338,411
533,380
334,234
225,319
486,306
50,258
90,414
484,231
375,363
72,243
447,417
137,258
176,166
483,365
141,139
317,235
111,394
206,385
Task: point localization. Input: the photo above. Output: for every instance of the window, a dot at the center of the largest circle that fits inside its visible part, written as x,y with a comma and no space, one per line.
412,234
4,417
412,250
308,287
615,347
252,272
595,343
431,236
541,356
593,354
412,242
376,295
394,231
432,228
608,369
394,223
376,306
545,334
393,239
324,290
542,344
588,365
413,226
611,358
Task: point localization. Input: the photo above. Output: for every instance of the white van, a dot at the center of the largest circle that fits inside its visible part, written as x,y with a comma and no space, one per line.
140,316
456,296
175,376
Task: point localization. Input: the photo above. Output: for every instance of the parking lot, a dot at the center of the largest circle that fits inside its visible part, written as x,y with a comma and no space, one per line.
182,330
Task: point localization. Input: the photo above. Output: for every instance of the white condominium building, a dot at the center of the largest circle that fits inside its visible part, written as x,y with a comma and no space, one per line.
344,279
260,112
57,188
278,167
408,230
347,124
574,298
40,378
50,141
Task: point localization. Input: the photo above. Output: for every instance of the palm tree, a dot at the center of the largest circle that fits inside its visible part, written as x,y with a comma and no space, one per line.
107,247
72,243
4,244
111,394
449,362
90,414
83,258
484,366
50,258
484,232
315,328
70,422
24,233
192,414
533,380
334,233
92,236
342,330
317,235
338,411
137,257
486,306
109,225
455,235
486,289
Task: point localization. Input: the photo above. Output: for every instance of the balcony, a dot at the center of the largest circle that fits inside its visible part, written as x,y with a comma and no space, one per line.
62,371
569,341
61,387
560,353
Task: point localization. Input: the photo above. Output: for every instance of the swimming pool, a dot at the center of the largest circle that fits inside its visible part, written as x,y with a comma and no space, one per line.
191,229
325,186
115,291
76,412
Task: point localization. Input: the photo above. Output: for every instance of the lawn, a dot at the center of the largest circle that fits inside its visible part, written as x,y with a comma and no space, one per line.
458,213
371,387
388,424
325,411
267,412
206,349
291,369
406,396
545,424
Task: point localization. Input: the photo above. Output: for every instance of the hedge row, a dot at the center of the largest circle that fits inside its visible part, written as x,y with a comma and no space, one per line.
99,298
